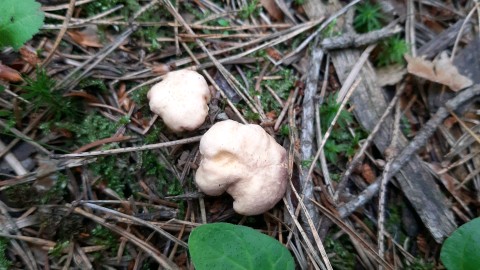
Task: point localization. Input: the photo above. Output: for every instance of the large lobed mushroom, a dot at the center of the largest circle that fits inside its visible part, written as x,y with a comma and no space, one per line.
244,161
181,100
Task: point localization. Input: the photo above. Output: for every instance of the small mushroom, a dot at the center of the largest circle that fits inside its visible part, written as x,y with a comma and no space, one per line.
244,161
181,100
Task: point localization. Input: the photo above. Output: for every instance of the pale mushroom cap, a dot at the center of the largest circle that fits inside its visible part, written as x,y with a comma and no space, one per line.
244,161
181,100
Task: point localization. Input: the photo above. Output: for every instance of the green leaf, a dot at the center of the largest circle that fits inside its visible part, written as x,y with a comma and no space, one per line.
461,251
227,246
19,21
223,22
4,113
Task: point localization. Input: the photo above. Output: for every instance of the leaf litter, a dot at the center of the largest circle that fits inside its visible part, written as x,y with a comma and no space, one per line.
129,201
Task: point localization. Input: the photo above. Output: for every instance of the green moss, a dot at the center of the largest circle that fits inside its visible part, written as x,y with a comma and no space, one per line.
284,131
56,251
420,264
251,9
93,85
405,126
186,5
22,196
57,192
306,163
282,88
124,120
154,134
174,189
343,256
5,263
147,33
103,236
25,195
94,127
331,30
114,171
393,222
251,116
139,96
100,6
340,142
151,165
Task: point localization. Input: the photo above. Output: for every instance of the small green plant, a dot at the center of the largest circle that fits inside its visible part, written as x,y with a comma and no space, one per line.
96,7
147,33
92,83
114,171
343,257
340,141
306,163
331,30
249,115
140,95
227,246
39,92
57,250
251,9
420,264
406,127
284,131
103,236
368,17
461,250
392,51
282,88
187,6
5,263
19,21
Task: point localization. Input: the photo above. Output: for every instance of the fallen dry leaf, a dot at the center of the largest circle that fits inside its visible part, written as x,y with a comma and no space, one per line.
273,10
272,115
29,56
390,75
87,37
368,174
9,74
161,69
441,71
275,54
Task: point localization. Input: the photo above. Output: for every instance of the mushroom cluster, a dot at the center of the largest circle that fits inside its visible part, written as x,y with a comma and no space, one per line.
244,161
181,100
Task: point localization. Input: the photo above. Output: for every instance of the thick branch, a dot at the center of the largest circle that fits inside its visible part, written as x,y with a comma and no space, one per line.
307,135
353,40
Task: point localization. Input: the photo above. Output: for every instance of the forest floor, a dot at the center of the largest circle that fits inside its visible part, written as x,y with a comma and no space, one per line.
375,103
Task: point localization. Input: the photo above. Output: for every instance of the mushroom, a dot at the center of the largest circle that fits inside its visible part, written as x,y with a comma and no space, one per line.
181,100
244,161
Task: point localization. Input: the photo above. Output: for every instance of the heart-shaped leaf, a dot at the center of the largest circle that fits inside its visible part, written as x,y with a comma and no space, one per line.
461,251
227,246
